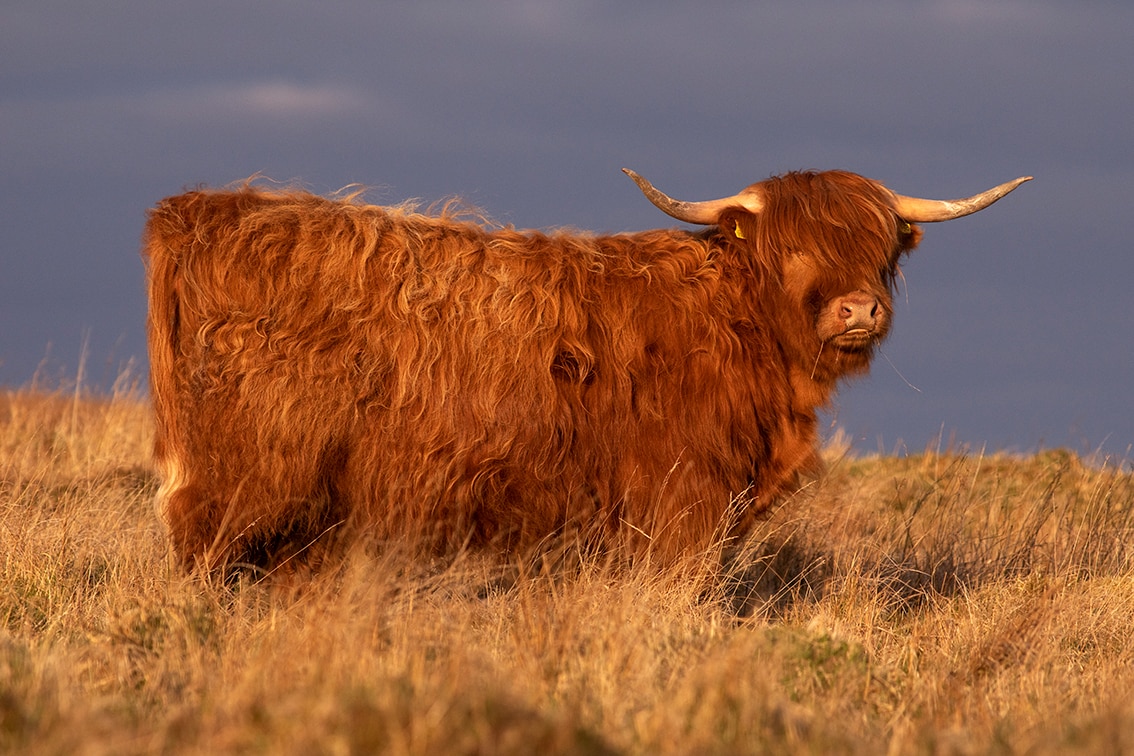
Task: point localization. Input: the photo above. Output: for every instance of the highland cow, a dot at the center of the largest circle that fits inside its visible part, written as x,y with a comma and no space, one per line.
325,368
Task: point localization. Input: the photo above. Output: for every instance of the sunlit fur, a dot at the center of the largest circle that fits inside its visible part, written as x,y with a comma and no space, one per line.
326,368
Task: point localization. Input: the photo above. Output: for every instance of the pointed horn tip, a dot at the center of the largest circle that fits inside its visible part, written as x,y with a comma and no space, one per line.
647,188
1011,186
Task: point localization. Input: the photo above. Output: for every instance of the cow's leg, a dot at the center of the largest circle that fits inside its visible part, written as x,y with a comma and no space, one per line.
262,509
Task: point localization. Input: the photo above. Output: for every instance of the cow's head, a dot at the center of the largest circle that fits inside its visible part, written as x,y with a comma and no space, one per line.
826,247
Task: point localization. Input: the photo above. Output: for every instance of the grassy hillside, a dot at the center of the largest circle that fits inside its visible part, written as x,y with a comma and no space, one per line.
938,603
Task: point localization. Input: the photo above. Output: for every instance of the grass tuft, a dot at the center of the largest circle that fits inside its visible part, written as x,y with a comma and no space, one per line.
938,602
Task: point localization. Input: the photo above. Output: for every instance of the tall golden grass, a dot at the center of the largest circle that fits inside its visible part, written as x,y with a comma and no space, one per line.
936,603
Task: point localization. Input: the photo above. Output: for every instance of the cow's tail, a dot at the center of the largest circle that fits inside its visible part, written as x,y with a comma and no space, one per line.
168,237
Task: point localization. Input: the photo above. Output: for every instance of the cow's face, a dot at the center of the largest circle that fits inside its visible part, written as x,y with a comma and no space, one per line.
826,250
849,305
850,316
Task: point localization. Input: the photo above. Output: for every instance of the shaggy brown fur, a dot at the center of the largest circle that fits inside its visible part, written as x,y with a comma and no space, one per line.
322,366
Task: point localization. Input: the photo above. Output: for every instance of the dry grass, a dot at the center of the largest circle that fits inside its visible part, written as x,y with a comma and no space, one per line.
940,603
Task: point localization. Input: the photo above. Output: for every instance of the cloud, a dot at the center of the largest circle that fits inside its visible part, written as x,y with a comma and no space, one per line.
107,127
258,99
221,102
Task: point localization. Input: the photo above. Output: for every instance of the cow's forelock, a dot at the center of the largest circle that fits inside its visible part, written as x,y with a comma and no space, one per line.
846,222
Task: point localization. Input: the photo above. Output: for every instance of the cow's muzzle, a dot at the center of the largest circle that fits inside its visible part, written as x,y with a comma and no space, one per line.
854,320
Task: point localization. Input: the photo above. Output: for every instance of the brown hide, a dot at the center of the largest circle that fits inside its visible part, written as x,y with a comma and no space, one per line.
324,367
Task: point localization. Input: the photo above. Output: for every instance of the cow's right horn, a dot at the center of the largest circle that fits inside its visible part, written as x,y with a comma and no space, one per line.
703,213
917,210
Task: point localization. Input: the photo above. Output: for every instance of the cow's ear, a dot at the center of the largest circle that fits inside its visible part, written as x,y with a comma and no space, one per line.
741,228
909,235
738,223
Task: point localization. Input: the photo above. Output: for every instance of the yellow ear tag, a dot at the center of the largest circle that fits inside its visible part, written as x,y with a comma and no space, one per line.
737,232
906,227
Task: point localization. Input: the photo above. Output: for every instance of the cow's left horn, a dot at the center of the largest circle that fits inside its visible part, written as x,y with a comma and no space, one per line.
918,210
703,213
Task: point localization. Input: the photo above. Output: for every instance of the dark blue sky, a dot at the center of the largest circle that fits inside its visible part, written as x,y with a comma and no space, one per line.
1014,329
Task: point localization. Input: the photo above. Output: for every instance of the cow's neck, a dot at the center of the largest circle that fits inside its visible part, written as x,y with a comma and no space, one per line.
808,392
